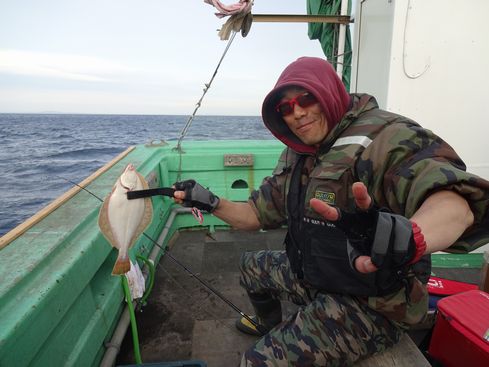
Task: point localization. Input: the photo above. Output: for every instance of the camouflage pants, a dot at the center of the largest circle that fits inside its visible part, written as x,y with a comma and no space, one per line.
327,330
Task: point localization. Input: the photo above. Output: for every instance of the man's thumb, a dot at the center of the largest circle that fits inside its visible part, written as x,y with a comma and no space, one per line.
326,211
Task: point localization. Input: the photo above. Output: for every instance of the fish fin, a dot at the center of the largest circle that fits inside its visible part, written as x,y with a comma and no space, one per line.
121,266
104,224
143,181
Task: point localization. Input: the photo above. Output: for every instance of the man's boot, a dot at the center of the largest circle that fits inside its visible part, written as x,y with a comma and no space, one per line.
268,314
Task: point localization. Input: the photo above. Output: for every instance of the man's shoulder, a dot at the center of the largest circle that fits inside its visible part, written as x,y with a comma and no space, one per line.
405,132
378,116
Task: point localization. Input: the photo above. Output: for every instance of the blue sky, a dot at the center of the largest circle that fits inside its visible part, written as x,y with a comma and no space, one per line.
140,57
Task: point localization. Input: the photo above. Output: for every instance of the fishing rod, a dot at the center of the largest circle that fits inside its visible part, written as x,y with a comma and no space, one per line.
162,191
212,289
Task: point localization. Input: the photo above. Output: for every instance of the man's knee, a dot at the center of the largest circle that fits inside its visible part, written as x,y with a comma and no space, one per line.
243,261
266,352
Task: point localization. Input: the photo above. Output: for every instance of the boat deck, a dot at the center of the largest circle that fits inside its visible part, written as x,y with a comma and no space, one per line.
185,321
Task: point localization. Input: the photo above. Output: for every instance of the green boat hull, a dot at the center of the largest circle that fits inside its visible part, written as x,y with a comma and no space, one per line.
59,302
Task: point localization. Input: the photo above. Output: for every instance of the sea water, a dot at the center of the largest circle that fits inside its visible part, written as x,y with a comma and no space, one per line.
37,149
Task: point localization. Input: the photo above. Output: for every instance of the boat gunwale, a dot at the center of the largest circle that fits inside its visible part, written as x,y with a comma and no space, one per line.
16,232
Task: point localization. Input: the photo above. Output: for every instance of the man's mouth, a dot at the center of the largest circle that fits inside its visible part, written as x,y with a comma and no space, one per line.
305,127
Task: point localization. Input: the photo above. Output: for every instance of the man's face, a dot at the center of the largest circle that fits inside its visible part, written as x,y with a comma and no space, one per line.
307,123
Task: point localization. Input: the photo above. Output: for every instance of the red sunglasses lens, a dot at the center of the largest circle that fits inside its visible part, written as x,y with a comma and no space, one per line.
285,108
303,100
306,100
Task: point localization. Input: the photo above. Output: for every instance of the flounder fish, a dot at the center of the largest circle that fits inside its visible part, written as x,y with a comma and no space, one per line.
121,220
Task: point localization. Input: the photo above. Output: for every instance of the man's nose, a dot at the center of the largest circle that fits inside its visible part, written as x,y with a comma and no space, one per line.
298,110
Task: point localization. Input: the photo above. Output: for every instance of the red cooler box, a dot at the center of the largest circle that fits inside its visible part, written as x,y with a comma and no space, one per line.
461,333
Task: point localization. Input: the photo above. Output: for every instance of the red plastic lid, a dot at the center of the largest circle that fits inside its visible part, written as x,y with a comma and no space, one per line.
470,309
446,287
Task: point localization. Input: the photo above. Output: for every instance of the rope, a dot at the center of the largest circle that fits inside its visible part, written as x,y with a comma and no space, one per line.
404,53
243,6
132,316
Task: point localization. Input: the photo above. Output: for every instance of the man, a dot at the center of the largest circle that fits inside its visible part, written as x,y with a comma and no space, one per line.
367,195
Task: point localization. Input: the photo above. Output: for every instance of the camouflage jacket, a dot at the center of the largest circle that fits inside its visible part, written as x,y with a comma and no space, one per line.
400,163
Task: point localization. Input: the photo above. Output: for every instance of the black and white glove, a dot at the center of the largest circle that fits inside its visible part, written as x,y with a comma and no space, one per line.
197,196
391,240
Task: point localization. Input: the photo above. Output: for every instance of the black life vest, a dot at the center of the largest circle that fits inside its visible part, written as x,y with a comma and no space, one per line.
317,252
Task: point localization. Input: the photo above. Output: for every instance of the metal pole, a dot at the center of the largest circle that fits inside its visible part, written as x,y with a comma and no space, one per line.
342,40
298,18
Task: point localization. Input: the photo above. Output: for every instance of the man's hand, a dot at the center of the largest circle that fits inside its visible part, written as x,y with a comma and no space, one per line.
362,200
391,240
191,194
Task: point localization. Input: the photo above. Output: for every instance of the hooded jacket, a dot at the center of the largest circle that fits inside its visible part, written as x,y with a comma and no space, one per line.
319,78
399,162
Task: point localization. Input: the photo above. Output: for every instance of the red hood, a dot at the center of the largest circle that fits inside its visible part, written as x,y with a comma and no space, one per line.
319,78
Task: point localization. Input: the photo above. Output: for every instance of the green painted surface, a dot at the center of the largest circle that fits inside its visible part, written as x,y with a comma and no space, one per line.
473,260
328,33
58,301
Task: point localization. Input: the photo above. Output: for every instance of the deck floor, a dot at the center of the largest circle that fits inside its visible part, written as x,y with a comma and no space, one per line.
184,321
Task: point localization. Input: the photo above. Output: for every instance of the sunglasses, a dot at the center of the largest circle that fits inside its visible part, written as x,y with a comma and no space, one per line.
303,100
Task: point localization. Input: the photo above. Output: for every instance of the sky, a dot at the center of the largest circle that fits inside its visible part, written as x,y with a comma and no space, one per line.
140,57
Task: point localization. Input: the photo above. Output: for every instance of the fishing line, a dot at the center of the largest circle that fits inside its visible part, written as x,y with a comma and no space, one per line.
200,307
190,272
81,187
211,288
197,106
207,86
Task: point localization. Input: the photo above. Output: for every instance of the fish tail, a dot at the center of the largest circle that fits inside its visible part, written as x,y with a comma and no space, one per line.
121,266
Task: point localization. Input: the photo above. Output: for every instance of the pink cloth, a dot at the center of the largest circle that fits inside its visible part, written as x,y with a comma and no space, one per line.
244,6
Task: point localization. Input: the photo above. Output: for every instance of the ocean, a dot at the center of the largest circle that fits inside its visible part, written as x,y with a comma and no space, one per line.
37,149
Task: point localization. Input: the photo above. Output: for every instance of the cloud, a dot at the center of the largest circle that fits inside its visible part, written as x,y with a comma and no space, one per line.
58,65
13,100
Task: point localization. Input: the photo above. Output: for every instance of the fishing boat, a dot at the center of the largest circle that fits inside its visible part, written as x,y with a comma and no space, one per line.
59,303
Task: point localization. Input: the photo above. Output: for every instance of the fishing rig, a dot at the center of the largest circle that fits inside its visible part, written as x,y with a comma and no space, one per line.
164,191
